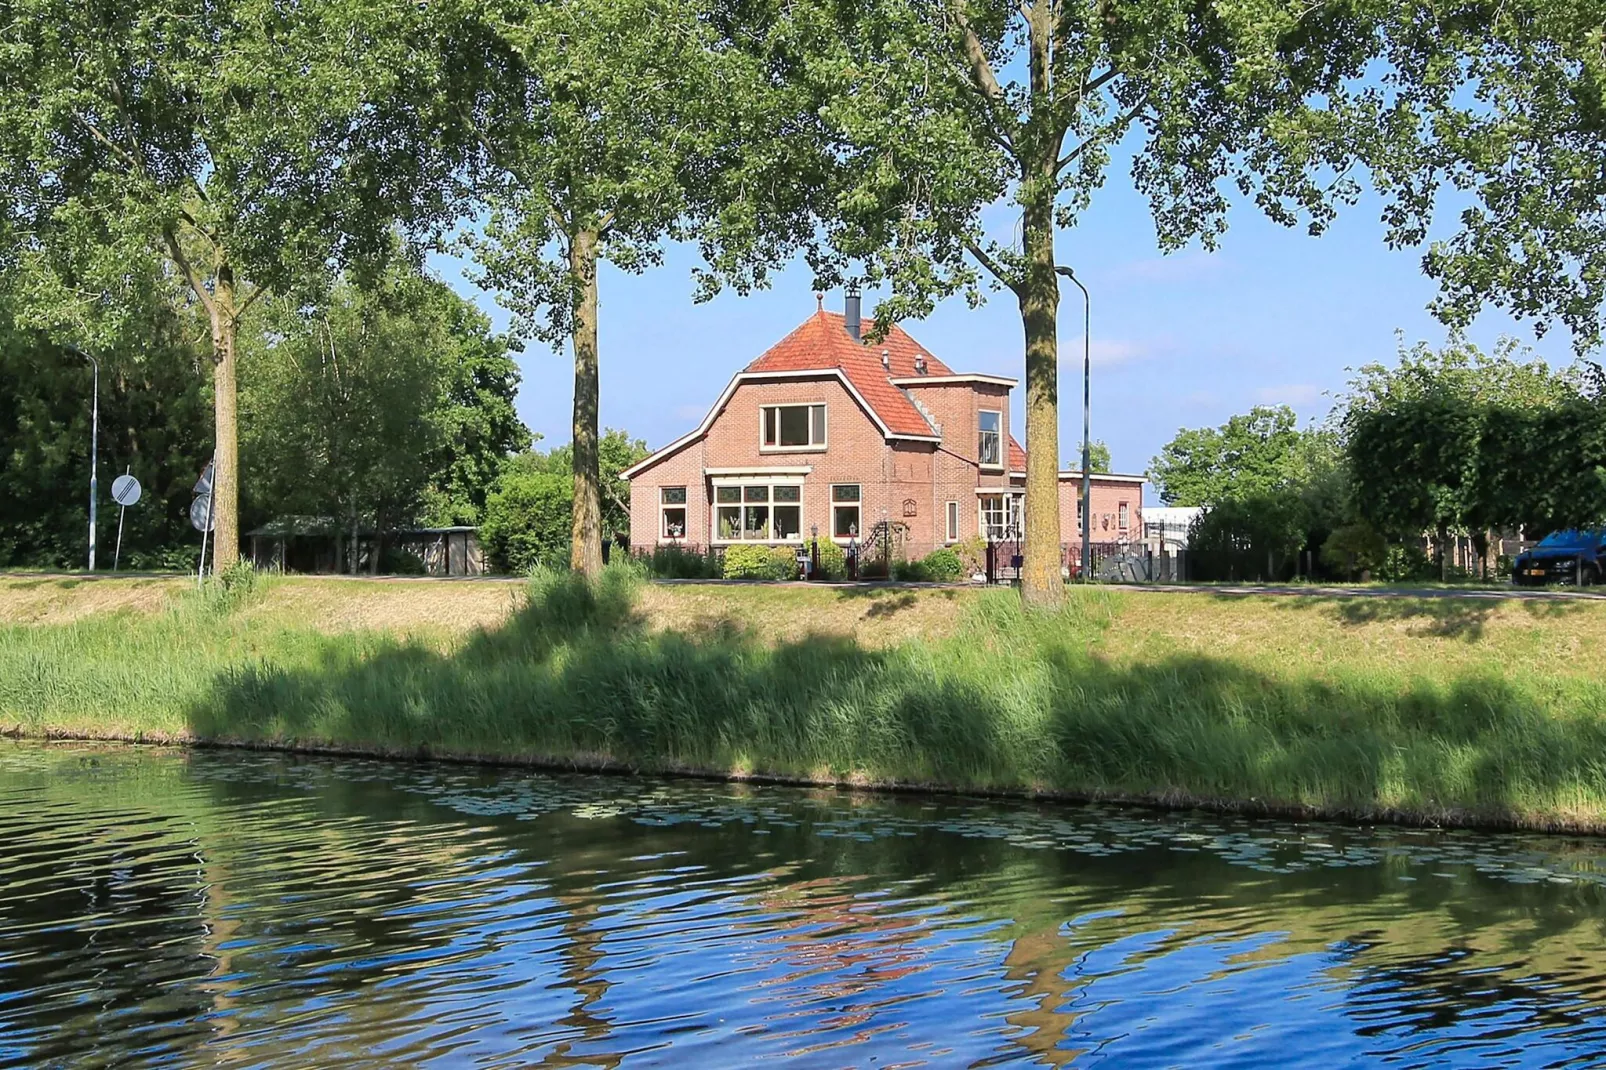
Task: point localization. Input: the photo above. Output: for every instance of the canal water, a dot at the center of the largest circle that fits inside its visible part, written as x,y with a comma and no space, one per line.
159,908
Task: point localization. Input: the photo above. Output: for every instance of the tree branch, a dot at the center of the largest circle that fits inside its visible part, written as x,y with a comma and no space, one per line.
176,253
986,260
981,72
121,153
1130,114
257,292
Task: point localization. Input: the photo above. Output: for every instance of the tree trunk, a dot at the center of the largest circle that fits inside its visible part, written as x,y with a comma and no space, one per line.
226,460
1041,583
585,547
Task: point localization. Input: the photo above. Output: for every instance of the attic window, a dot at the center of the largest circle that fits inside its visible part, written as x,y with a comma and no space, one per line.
793,427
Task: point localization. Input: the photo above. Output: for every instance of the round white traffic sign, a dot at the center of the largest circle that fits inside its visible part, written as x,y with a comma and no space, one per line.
125,490
201,517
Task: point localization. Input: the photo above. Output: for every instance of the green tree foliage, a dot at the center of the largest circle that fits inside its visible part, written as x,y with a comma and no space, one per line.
155,421
1269,490
377,407
616,452
1098,456
526,521
238,147
1255,453
1458,440
604,128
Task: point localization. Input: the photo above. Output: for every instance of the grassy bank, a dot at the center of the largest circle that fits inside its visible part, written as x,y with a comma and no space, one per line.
1483,711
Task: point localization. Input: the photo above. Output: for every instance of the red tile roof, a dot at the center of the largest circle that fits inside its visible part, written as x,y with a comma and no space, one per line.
1017,456
822,343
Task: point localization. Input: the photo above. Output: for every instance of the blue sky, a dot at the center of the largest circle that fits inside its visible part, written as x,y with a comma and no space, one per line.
1184,340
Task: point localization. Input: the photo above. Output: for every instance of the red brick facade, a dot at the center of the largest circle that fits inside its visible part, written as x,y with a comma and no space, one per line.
900,430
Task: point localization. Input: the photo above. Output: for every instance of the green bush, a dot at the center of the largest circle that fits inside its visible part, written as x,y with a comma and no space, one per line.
783,562
679,563
527,521
833,562
398,561
942,566
744,562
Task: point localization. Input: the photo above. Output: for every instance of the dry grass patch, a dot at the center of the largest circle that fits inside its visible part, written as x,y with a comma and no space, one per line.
402,607
873,617
62,600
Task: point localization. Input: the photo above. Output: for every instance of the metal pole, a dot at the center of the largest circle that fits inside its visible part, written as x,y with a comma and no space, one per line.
1087,442
122,510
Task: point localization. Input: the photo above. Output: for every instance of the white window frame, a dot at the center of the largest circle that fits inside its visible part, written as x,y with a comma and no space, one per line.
663,515
812,447
1124,517
986,529
991,466
857,505
741,484
950,514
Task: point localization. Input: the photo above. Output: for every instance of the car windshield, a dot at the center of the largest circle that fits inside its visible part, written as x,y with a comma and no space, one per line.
1568,540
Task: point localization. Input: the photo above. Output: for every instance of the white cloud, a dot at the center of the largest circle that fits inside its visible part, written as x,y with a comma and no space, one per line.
1289,394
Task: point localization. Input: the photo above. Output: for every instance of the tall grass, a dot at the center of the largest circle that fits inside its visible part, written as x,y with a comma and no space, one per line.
1016,700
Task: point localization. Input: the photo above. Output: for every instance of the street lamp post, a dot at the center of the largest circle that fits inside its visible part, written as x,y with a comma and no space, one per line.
94,450
1087,443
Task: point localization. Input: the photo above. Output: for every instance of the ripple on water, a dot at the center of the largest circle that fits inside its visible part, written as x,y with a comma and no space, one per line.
172,909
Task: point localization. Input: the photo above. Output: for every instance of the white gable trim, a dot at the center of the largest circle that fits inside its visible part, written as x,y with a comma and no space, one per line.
940,380
745,377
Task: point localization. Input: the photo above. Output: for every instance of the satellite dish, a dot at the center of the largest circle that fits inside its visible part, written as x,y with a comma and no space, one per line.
125,490
201,517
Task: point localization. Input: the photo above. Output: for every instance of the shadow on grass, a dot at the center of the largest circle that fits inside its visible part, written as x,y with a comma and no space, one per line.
1015,702
1441,618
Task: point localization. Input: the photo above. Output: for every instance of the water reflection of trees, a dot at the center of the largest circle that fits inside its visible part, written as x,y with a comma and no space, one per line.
330,908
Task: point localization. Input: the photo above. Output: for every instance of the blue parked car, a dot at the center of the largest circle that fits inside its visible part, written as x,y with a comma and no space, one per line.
1570,556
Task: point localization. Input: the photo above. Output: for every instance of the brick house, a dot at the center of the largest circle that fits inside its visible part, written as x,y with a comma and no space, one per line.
826,431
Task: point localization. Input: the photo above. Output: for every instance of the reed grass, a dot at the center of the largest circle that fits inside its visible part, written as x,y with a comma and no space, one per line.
1408,711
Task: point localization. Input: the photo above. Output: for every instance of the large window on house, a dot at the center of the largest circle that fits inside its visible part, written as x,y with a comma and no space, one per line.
1125,520
845,510
793,427
672,512
993,516
758,512
990,438
952,518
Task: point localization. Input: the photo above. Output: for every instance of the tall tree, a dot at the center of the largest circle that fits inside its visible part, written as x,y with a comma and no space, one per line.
605,128
382,403
245,145
948,108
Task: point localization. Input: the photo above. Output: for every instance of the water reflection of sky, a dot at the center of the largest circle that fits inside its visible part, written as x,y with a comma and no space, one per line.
266,911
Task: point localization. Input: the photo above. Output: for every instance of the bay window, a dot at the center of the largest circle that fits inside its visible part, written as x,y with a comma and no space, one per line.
993,520
758,512
792,427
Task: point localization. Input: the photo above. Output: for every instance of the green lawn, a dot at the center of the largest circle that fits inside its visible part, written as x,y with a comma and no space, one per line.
1481,711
